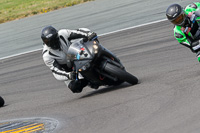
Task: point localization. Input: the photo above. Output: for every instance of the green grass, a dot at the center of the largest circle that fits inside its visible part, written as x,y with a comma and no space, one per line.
16,9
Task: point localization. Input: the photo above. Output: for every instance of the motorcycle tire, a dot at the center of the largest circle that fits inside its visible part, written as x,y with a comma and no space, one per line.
120,73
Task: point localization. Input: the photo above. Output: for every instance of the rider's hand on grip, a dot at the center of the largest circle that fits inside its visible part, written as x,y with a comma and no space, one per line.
92,36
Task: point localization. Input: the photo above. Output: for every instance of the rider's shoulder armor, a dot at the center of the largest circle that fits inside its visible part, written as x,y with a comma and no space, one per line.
64,32
192,7
178,34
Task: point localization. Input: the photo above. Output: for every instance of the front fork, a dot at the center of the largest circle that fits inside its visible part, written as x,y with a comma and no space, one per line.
80,66
75,73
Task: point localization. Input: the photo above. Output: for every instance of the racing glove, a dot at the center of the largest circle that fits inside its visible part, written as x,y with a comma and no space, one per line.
91,36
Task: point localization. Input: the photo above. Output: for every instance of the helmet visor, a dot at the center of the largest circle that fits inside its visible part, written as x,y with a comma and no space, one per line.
54,43
46,41
180,19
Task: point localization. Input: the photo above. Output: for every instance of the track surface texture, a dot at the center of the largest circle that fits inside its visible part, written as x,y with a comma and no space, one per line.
166,100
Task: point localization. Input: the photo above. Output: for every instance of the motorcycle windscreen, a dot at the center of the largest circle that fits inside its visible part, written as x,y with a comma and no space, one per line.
77,51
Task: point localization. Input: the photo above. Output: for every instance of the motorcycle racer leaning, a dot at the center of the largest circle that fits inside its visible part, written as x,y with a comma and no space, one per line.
186,25
55,46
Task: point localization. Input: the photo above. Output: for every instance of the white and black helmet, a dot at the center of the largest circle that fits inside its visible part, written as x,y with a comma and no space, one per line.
50,37
176,15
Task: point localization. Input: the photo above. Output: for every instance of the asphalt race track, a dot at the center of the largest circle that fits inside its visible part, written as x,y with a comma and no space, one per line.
167,100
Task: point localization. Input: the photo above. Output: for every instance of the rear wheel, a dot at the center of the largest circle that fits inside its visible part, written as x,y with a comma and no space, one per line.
120,73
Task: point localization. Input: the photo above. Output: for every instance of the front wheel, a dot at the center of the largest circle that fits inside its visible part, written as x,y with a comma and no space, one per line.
120,74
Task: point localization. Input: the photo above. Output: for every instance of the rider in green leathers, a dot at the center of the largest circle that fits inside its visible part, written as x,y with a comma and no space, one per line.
187,25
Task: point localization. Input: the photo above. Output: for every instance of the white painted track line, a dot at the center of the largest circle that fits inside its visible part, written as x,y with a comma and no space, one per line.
98,35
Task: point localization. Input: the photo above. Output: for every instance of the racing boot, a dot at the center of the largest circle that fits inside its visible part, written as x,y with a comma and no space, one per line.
76,86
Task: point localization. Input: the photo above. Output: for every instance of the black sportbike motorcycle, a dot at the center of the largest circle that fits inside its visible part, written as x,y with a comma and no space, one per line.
97,64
